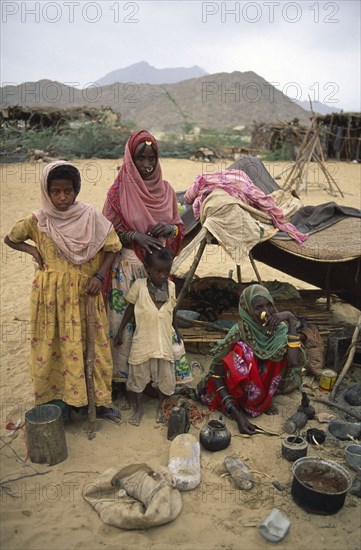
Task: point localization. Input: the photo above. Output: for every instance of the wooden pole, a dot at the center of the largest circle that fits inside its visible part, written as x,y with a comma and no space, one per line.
191,272
349,360
328,176
337,406
310,149
89,364
255,268
203,324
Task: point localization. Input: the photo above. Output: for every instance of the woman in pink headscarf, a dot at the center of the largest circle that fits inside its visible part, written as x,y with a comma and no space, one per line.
143,209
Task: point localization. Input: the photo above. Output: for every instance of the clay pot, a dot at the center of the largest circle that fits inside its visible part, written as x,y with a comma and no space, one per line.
215,436
294,447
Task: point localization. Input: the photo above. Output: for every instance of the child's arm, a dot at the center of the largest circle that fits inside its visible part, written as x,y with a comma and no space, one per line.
94,285
128,315
28,248
175,325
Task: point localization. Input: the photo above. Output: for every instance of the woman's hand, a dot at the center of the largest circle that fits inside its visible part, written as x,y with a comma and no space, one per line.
93,287
38,258
147,242
161,230
244,425
277,318
27,248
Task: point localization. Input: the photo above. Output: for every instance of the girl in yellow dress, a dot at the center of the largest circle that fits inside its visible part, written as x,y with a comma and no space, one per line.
75,246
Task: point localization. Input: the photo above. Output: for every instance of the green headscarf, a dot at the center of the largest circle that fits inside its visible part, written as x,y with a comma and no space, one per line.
265,346
250,330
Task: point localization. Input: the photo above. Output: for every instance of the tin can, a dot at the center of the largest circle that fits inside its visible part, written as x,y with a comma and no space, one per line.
328,379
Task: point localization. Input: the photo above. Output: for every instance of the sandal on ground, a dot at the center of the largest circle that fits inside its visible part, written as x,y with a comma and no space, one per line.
107,413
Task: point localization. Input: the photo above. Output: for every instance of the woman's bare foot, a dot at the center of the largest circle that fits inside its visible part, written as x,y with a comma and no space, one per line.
136,418
272,410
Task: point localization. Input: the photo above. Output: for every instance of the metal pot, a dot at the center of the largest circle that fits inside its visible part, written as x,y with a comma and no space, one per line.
294,447
45,434
353,456
319,486
215,436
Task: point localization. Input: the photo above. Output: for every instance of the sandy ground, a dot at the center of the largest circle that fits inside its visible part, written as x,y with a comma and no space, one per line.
44,507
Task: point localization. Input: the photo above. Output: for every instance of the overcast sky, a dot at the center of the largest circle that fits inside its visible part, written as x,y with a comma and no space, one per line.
305,47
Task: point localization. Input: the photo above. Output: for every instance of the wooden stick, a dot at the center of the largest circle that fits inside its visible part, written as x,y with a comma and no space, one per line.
337,406
191,272
349,360
205,324
259,429
24,476
89,364
253,263
329,177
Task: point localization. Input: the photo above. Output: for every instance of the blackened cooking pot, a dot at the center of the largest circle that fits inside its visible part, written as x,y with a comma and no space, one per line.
215,436
319,486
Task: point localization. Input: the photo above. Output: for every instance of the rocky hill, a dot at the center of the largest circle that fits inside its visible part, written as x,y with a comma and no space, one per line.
213,101
318,107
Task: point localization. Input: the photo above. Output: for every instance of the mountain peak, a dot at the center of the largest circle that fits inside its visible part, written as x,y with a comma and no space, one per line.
143,73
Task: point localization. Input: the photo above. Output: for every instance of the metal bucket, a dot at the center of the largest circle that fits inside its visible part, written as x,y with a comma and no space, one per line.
45,435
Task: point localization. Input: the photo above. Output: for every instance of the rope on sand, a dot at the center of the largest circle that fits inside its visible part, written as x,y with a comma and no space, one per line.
196,416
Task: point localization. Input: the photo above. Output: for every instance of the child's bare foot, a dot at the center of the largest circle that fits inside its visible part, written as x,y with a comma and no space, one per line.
160,418
136,418
120,397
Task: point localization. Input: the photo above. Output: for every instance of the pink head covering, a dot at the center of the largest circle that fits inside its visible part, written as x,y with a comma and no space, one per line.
140,204
79,232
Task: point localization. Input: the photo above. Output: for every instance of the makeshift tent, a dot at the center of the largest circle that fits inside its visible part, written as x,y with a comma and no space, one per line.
330,258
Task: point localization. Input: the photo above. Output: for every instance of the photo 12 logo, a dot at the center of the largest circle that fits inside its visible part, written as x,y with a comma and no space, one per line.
271,12
52,92
251,92
70,12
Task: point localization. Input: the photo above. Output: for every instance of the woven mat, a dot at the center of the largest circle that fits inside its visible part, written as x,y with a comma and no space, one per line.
309,308
340,242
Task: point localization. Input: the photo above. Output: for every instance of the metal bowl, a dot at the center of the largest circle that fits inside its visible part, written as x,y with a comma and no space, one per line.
353,456
184,314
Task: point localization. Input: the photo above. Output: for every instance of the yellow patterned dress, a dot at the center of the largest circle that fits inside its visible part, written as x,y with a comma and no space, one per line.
58,323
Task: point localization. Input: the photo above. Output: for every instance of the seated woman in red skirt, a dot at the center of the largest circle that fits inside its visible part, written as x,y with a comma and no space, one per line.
261,353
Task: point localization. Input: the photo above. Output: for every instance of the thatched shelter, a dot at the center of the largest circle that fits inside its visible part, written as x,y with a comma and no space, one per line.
284,137
340,135
47,117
